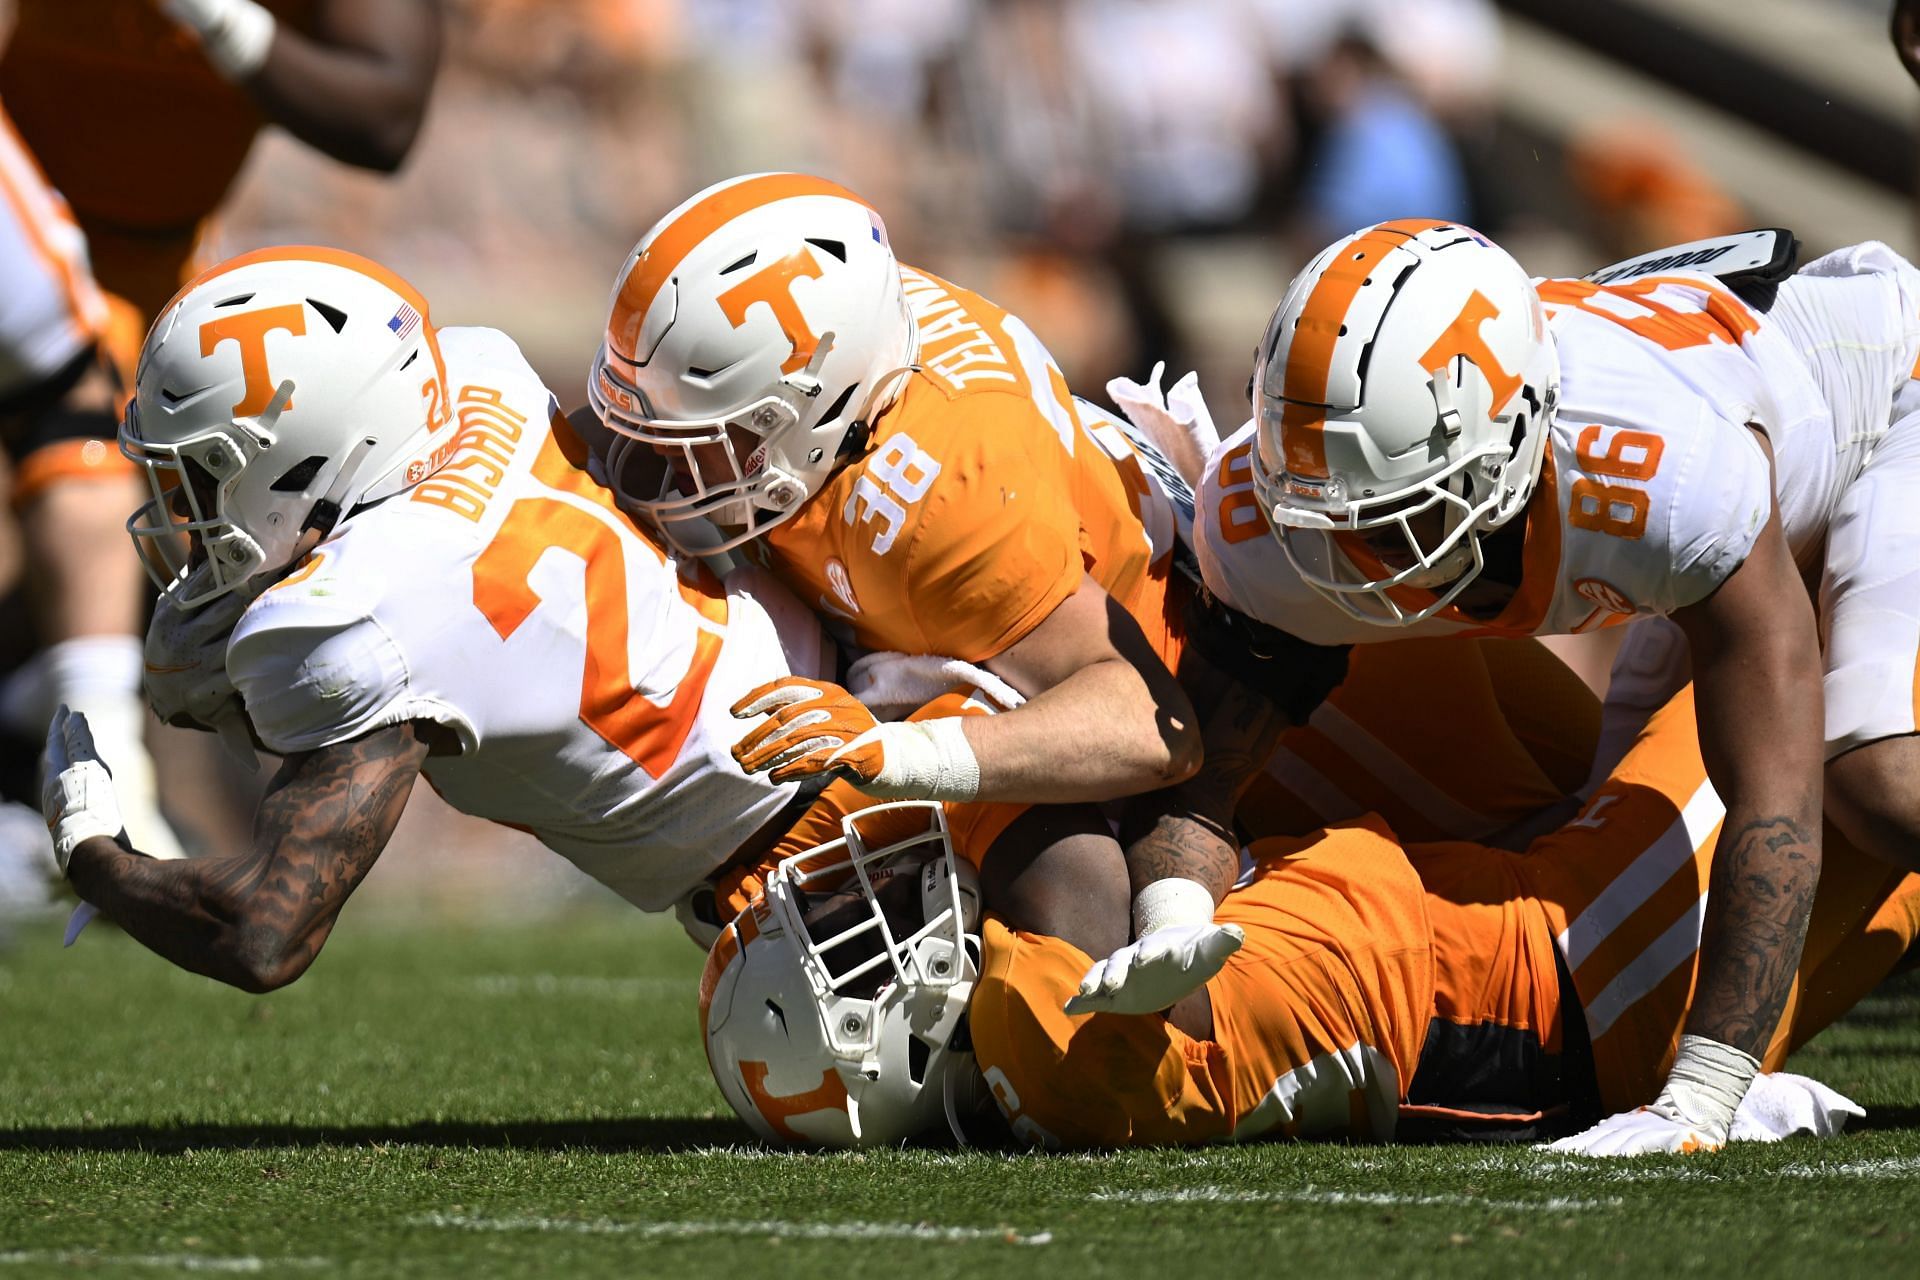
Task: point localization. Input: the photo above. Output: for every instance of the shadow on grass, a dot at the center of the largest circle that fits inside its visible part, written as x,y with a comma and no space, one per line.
1884,1118
656,1136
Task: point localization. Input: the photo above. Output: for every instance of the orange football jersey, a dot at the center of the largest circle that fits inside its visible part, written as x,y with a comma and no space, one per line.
985,495
1318,1020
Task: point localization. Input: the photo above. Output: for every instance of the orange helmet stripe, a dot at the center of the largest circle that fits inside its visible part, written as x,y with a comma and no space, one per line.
673,242
1310,349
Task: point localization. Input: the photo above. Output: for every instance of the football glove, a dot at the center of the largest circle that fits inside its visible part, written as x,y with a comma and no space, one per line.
1693,1112
814,728
76,789
1155,972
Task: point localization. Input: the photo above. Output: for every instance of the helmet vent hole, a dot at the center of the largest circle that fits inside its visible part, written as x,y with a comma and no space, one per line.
839,405
410,359
297,477
744,262
175,397
334,316
234,301
1343,331
835,247
919,1053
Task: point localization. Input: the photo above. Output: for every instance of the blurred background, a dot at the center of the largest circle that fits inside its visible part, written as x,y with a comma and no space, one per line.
1137,179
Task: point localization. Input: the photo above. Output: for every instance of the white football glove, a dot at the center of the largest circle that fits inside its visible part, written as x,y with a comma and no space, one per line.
76,789
1154,972
1781,1104
1655,1129
186,679
1693,1112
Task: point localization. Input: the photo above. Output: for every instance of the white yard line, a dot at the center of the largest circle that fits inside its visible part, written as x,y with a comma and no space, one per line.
1309,1195
1891,1167
724,1227
177,1261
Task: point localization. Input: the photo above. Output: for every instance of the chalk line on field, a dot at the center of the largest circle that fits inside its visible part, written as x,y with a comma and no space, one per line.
745,1227
1311,1195
178,1261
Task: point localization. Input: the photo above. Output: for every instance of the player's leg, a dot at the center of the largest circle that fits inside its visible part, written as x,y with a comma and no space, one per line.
59,408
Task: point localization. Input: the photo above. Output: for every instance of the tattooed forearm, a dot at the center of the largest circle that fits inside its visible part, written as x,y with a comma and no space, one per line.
257,919
1761,894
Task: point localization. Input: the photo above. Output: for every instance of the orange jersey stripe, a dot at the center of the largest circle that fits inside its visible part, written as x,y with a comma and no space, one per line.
30,208
67,460
679,238
1310,350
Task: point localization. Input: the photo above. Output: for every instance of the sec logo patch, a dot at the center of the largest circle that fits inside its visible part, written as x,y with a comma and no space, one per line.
1605,594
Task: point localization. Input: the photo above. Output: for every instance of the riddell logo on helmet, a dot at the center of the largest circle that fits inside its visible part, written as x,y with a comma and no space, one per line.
773,285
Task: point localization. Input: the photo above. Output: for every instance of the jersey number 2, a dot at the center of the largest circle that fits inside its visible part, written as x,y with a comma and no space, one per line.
648,734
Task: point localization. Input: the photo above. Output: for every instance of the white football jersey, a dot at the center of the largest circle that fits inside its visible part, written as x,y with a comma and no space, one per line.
1653,488
587,677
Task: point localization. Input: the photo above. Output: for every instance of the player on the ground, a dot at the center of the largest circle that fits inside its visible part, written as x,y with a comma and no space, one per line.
909,458
1436,990
397,565
1441,448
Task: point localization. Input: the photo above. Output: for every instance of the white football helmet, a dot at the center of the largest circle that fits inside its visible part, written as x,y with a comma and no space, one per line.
275,394
752,335
1403,392
834,1007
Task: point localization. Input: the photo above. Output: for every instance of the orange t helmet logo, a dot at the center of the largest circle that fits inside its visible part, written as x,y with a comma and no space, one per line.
1462,338
829,1095
773,285
249,329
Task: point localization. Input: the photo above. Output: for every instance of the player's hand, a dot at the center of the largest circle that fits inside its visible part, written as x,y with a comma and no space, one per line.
812,728
1155,971
76,789
1656,1129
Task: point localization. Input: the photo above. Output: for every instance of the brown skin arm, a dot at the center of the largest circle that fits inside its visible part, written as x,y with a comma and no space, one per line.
255,920
1905,26
1104,716
357,88
1756,662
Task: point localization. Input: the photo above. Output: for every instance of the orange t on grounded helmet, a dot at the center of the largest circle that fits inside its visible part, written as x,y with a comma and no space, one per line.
275,393
752,335
1403,392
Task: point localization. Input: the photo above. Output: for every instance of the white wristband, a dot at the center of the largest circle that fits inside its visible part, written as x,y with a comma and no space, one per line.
234,34
923,760
1175,900
1707,1082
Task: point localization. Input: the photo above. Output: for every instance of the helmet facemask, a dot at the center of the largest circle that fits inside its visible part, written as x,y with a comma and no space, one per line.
876,947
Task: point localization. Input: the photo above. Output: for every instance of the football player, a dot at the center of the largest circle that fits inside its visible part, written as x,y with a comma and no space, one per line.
1444,990
60,390
1442,447
91,86
908,457
382,557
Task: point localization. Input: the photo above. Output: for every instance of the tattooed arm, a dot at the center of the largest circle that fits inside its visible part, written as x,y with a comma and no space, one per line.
1757,683
256,919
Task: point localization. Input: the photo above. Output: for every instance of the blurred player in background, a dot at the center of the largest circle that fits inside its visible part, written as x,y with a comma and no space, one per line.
140,114
398,567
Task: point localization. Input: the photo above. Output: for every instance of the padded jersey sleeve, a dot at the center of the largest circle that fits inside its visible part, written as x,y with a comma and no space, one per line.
996,544
313,673
1724,494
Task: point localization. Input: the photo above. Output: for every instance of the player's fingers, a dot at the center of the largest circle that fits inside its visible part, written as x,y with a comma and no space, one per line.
79,735
776,694
1221,943
57,758
768,740
803,760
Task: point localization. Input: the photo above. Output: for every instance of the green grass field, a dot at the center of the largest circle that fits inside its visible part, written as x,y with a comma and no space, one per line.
532,1099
